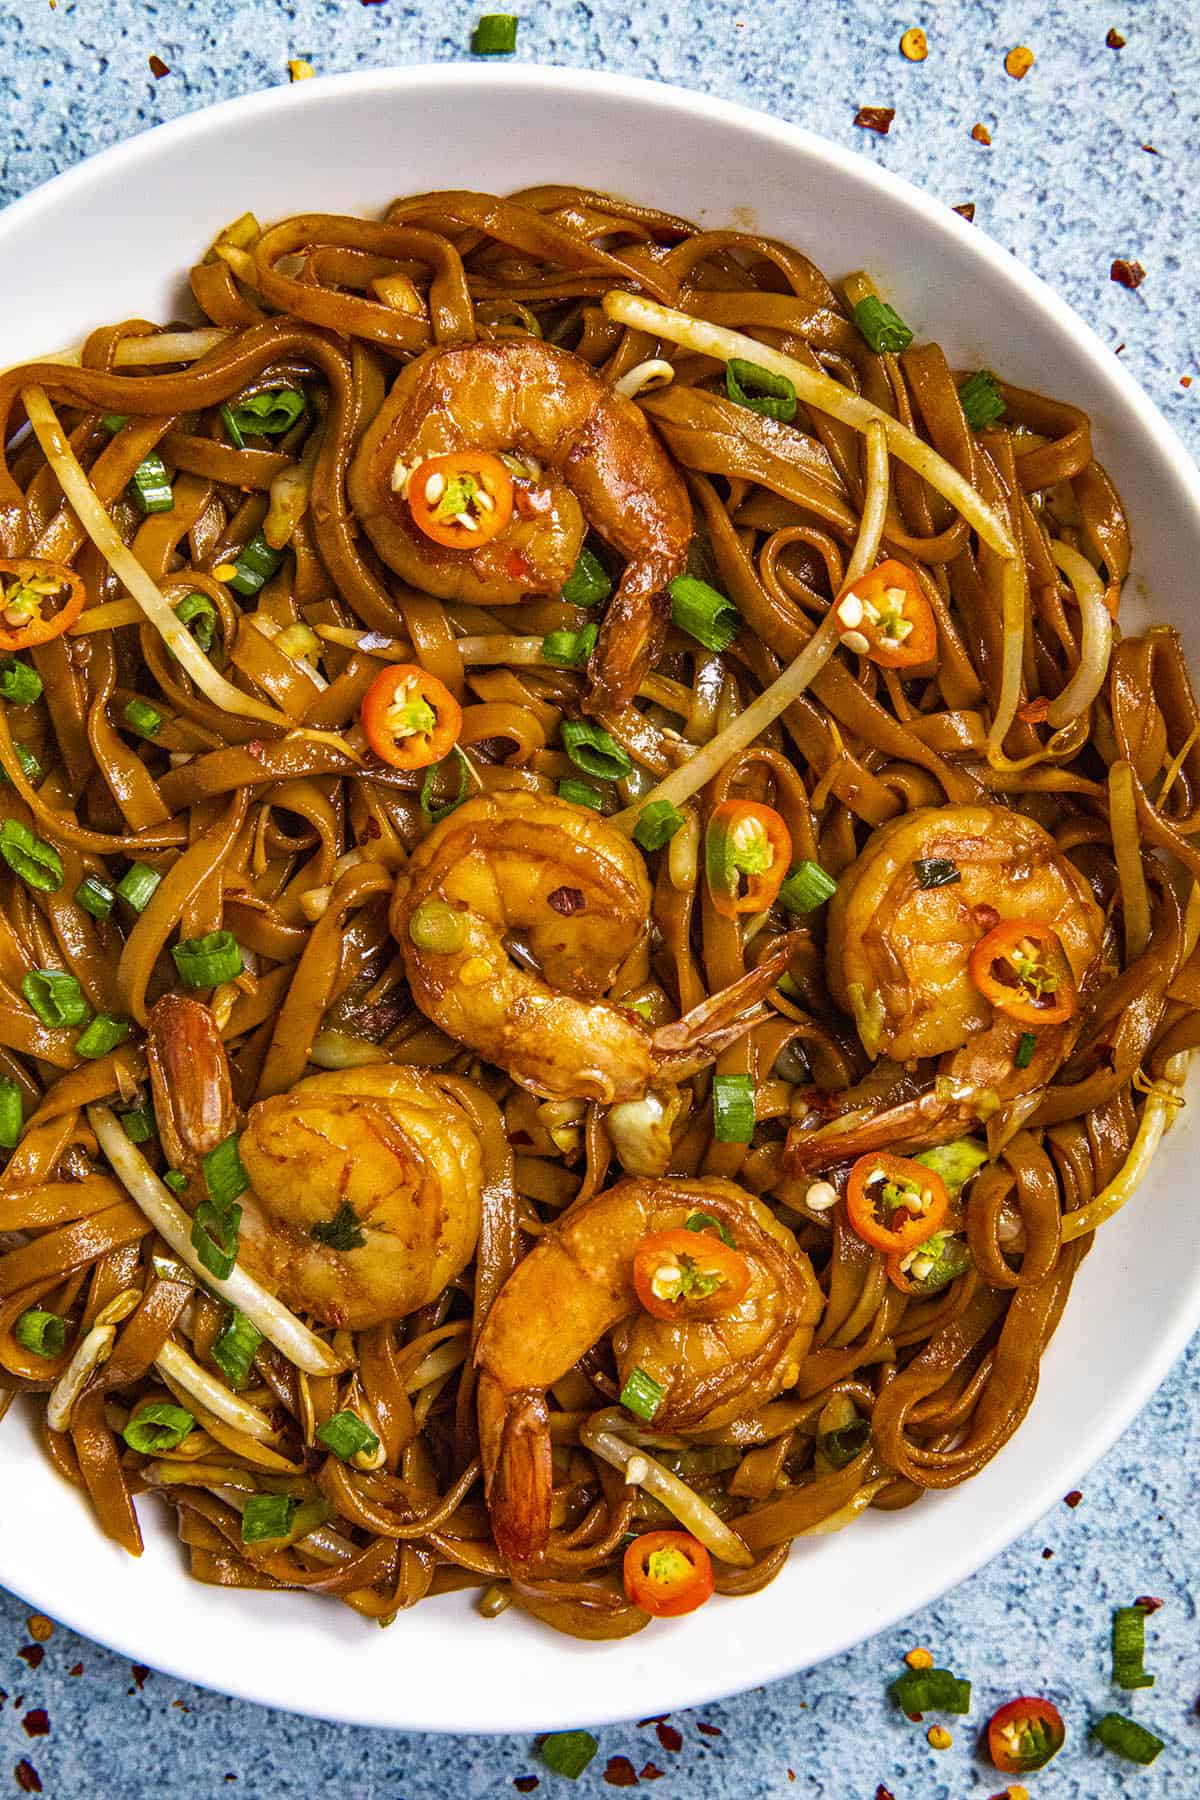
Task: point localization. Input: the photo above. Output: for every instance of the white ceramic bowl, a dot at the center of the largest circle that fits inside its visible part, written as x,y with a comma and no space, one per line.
351,144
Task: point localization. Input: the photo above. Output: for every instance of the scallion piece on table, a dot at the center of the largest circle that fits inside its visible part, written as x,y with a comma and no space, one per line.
55,997
591,749
588,583
806,887
570,649
495,34
1125,1737
198,613
642,1395
103,1034
157,1427
936,872
141,717
37,863
881,325
20,683
11,1113
733,1109
657,824
267,1516
981,400
346,1435
95,897
270,413
204,961
45,1333
581,793
256,563
234,1347
138,885
1129,1648
1026,1045
149,486
931,1690
774,396
138,1123
568,1752
703,613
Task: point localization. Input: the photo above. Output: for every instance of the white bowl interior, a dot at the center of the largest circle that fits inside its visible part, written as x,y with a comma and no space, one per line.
87,256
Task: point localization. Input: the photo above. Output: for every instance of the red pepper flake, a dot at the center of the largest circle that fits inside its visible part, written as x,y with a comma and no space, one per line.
1150,150
1033,711
37,1722
1149,1603
1073,1498
158,68
517,566
40,1628
1114,40
654,1719
883,1793
179,1705
669,1738
1118,349
372,2
965,211
709,1730
1129,274
620,1772
652,1772
27,1778
875,118
981,134
1047,1554
525,1784
567,900
1185,381
77,1670
33,1654
139,1671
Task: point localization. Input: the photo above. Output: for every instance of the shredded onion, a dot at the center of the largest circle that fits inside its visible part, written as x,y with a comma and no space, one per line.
167,347
858,1503
1127,851
1097,630
602,1434
875,502
1162,1103
1012,601
173,1361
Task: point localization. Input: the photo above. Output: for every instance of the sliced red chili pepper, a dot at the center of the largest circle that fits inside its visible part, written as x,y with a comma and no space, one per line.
894,1203
884,615
411,718
1024,1735
745,839
1021,967
462,500
667,1573
39,600
688,1275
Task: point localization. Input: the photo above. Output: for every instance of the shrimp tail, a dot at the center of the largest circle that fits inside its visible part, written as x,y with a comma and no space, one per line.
724,1017
189,1076
913,1125
630,642
514,1438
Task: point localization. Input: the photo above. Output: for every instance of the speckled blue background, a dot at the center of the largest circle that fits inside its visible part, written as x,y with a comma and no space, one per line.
1070,181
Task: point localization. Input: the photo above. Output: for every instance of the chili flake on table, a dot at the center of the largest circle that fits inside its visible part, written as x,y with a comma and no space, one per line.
1019,61
1127,274
875,118
981,134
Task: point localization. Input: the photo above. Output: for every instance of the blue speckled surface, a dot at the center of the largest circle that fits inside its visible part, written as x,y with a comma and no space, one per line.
1067,184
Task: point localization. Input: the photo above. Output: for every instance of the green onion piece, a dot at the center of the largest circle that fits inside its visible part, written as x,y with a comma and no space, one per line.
703,613
55,997
270,413
588,582
981,400
346,1435
570,649
1026,1046
266,1516
149,487
102,1035
774,396
176,1180
31,768
11,1113
568,1752
20,683
142,718
216,1229
806,887
157,1427
95,897
114,421
198,613
138,885
1125,1737
701,1221
1129,1648
932,1690
657,825
205,961
224,1176
949,1257
232,428
642,1395
342,1232
138,1124
255,565
592,750
37,863
234,1347
841,1446
433,811
936,872
495,35
955,1163
733,1109
42,1332
881,325
581,793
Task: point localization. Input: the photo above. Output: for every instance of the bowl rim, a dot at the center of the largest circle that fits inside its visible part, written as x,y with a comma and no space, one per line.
527,80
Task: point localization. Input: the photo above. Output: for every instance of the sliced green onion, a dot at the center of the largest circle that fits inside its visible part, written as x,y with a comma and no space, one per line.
806,887
881,325
267,1516
45,1333
1026,1046
198,613
841,1446
149,487
1125,1737
234,1347
270,413
142,718
955,1163
568,1752
702,1221
11,1113
216,1230
936,872
138,1124
594,751
642,1395
342,1232
570,649
704,613
37,863
224,1176
176,1180
20,683
207,961
981,400
774,396
55,997
138,885
114,421
581,793
346,1435
1129,1648
657,824
255,565
95,897
495,35
103,1034
588,582
157,1427
733,1109
932,1690
433,811
232,428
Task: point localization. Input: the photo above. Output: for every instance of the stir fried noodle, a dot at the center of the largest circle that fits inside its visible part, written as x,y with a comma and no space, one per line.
595,906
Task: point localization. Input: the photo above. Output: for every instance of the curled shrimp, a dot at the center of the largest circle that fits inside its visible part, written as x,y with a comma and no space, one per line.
903,923
557,883
365,1184
587,456
577,1284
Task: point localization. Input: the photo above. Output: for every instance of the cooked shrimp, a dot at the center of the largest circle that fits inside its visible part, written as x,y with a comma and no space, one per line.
588,457
576,1284
365,1184
898,959
576,894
